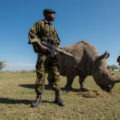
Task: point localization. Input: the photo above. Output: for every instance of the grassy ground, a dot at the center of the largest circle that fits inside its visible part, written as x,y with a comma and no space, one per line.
17,92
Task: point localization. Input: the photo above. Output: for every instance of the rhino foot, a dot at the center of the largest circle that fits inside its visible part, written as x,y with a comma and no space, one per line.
66,88
84,89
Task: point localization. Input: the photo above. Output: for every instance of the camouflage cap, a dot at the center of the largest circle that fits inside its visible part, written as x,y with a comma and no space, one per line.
48,11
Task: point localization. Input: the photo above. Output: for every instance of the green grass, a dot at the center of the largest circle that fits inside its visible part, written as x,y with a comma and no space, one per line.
17,92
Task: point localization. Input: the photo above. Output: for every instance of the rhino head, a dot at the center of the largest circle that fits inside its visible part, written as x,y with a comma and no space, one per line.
102,75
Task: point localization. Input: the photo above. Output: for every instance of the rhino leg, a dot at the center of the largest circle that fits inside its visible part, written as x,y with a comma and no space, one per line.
82,83
49,79
70,79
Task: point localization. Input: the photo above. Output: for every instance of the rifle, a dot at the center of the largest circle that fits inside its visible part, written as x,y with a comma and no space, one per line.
56,50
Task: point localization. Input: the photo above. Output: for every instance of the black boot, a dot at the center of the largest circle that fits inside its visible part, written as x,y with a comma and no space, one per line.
37,101
58,100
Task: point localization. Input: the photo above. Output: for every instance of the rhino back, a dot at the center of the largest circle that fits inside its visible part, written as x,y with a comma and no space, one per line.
86,53
87,62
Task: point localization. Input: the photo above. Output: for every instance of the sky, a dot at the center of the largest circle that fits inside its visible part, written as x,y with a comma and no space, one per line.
95,21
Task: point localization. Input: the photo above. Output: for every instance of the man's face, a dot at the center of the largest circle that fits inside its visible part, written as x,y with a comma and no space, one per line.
50,16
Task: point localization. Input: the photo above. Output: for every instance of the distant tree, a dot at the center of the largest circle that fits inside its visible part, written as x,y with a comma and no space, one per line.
2,65
113,67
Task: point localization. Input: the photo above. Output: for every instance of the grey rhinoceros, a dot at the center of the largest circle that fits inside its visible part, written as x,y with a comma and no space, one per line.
87,61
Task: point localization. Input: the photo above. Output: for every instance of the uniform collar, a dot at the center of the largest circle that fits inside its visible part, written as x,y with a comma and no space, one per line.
47,22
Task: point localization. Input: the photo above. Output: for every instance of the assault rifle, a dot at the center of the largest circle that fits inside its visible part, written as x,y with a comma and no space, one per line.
56,50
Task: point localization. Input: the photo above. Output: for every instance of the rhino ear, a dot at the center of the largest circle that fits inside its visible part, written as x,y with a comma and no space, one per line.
105,55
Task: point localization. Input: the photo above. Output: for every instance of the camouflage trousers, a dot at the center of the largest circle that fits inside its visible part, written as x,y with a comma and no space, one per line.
46,64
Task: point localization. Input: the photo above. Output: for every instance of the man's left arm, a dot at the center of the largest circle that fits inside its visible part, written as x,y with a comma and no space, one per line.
57,37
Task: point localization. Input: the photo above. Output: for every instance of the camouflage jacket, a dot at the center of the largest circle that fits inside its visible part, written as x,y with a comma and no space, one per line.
43,31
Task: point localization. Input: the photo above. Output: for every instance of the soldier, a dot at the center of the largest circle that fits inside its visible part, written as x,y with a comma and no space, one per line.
118,60
43,30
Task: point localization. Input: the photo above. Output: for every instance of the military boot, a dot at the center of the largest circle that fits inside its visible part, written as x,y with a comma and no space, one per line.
37,101
58,99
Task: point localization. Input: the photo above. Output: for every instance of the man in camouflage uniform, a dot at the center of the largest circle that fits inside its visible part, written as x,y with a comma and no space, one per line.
43,31
118,60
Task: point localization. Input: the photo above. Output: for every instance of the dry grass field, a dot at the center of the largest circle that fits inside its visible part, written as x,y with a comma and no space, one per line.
17,92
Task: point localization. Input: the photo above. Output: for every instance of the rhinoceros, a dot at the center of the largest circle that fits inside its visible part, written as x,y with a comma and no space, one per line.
87,61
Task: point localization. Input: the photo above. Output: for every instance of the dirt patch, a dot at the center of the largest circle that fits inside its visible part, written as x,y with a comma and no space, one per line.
93,94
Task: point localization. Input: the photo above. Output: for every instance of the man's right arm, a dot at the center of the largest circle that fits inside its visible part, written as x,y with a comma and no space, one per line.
38,47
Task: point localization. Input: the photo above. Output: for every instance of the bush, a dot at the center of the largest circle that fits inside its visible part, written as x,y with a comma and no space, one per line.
2,65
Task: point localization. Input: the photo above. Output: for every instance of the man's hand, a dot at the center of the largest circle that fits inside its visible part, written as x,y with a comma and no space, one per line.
39,48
